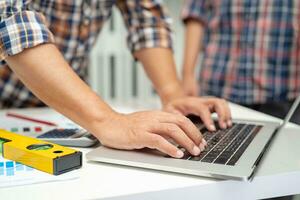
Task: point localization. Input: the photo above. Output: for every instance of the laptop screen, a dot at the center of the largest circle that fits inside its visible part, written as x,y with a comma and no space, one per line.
294,112
296,116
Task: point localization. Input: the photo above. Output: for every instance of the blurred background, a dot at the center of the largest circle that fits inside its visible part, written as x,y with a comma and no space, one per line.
113,73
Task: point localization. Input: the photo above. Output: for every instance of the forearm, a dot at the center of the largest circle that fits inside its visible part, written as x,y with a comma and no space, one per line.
43,70
193,43
160,67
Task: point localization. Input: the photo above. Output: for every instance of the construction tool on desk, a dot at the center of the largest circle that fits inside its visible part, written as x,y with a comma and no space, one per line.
38,154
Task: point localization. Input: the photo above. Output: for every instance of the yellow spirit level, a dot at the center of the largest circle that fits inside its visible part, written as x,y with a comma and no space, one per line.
38,154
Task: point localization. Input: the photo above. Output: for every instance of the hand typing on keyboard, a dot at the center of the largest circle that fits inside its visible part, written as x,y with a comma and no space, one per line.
224,146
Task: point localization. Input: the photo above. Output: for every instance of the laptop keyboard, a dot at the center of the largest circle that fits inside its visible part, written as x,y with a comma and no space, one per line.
225,146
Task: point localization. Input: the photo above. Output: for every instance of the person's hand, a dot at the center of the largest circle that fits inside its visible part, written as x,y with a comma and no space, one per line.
190,85
150,129
202,107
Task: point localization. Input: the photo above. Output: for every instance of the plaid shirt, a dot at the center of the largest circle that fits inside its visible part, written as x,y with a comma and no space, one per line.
251,48
74,27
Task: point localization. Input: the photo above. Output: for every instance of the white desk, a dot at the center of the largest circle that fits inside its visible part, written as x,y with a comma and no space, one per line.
275,177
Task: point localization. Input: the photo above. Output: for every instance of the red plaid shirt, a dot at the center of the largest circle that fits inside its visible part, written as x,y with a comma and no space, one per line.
251,48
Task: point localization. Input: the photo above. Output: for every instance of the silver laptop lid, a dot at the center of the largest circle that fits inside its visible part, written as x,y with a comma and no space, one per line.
291,115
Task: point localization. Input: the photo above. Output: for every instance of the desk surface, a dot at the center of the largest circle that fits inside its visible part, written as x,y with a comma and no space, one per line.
275,177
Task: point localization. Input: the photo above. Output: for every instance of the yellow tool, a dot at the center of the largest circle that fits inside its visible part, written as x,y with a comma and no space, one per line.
38,154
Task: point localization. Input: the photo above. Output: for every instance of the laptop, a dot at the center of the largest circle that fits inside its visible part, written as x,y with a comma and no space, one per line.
233,153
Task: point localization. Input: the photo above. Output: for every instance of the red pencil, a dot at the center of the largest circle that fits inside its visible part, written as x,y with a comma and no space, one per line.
9,114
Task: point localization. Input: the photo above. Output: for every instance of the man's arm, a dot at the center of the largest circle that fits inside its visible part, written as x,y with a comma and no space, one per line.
160,67
196,16
194,32
44,71
149,40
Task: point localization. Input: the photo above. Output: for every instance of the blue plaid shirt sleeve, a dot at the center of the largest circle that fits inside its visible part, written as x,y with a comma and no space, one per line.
20,28
148,24
196,9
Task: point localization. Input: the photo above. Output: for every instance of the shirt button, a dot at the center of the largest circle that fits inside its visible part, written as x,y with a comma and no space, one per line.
86,21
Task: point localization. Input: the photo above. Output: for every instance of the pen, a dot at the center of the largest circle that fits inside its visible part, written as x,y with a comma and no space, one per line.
9,114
